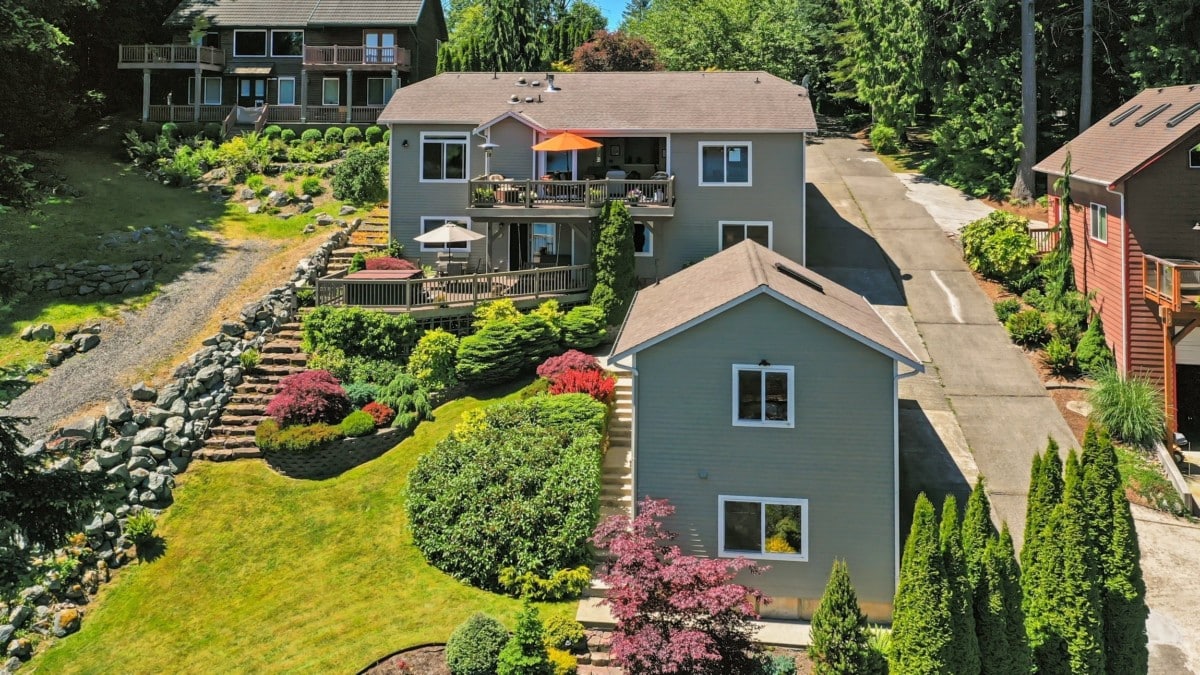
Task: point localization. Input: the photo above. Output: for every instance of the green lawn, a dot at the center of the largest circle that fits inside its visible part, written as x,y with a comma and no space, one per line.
116,198
265,573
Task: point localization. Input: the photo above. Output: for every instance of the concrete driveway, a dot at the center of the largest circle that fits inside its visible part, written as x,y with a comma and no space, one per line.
980,407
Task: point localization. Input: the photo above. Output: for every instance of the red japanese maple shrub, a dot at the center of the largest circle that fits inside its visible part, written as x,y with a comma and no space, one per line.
379,412
675,613
595,383
388,263
572,359
309,397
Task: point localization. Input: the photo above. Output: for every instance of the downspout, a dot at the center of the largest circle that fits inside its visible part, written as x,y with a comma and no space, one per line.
1126,300
896,377
804,198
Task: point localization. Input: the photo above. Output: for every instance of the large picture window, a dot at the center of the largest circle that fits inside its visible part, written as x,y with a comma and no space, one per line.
443,157
763,527
434,222
379,90
725,163
287,43
1098,227
763,396
736,232
249,43
211,94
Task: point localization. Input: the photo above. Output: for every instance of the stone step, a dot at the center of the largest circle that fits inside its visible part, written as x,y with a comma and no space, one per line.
240,421
227,454
226,430
282,346
252,390
230,442
238,409
300,359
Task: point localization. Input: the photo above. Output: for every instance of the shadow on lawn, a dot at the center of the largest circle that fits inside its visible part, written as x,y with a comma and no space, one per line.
152,549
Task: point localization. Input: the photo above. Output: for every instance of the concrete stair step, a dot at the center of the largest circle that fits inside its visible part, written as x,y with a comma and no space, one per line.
624,502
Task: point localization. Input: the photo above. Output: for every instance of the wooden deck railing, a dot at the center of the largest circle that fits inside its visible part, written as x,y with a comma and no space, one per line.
1171,282
578,193
184,113
261,120
1045,237
326,113
366,114
230,121
357,55
406,295
284,113
163,55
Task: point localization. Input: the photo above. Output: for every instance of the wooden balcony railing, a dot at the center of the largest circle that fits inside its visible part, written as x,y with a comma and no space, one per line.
339,55
284,113
326,113
365,114
591,194
1045,237
150,56
1171,282
184,113
466,291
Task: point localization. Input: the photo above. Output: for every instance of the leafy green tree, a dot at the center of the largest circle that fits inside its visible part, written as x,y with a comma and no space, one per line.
839,628
889,57
922,633
525,653
963,655
613,262
615,51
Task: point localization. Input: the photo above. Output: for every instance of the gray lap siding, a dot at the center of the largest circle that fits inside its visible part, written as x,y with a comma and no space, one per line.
839,456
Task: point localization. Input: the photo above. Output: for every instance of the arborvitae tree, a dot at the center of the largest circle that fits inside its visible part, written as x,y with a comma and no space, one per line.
525,653
963,656
1124,596
613,262
991,615
977,530
1041,560
839,628
1005,560
1074,597
1045,492
1100,482
921,627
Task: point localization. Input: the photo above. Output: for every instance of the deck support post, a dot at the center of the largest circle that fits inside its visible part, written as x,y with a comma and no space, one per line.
145,94
395,82
304,96
197,95
349,95
1169,393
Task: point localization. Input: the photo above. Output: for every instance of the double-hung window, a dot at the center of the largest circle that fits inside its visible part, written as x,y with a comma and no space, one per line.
379,90
249,43
287,91
736,232
443,157
211,94
762,527
725,163
331,91
764,396
287,43
430,223
1098,227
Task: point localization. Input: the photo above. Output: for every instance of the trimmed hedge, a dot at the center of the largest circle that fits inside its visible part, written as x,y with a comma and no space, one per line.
298,438
359,332
510,488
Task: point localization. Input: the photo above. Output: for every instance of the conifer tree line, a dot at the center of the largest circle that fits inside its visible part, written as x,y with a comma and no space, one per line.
515,35
963,605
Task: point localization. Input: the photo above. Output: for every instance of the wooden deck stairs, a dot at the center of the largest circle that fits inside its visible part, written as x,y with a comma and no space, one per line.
616,491
374,230
233,435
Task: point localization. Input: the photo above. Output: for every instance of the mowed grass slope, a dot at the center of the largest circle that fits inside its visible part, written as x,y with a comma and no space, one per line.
263,573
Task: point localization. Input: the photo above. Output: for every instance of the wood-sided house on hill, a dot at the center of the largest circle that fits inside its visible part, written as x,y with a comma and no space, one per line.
1135,186
765,409
704,160
306,61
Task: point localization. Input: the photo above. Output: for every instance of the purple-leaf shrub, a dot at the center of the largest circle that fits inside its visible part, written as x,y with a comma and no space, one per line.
389,263
675,613
309,397
573,359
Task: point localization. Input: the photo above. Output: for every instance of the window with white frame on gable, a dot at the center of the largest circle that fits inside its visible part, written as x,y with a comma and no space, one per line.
725,163
763,395
762,527
443,157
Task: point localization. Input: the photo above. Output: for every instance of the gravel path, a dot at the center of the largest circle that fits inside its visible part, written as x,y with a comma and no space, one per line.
139,340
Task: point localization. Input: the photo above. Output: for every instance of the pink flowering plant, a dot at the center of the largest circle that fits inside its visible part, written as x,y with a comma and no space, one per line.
572,359
675,613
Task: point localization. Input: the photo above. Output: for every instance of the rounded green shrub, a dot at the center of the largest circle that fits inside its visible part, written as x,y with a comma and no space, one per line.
287,135
562,662
358,423
373,135
311,186
312,136
433,359
1035,298
140,527
361,393
563,633
1092,354
352,135
249,359
1058,356
359,332
255,182
360,177
387,136
474,647
999,246
1064,326
170,130
213,131
358,262
1006,308
333,135
492,355
583,327
1027,328
272,131
884,139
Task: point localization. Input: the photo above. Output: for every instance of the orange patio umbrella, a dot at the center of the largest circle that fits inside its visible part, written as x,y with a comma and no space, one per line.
566,141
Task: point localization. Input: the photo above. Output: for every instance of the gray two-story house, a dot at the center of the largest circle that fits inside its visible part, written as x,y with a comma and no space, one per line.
704,160
765,409
303,61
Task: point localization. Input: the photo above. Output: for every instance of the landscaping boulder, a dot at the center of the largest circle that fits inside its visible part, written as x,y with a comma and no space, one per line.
18,615
304,207
247,194
85,342
277,198
169,394
254,207
20,648
118,411
324,220
108,460
143,392
310,228
84,427
41,332
139,286
66,621
59,352
233,328
150,436
6,633
346,210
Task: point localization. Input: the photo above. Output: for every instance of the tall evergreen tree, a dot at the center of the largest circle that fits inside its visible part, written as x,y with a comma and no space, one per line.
1041,560
1124,593
889,57
963,656
1018,659
514,35
921,627
1045,491
613,262
525,653
977,529
839,628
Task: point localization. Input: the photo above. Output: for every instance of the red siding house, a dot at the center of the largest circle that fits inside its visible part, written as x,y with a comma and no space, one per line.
1135,223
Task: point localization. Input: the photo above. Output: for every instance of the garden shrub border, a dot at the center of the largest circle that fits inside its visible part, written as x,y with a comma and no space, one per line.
334,458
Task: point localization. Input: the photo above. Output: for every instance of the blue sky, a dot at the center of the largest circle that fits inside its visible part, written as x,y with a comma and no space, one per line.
612,10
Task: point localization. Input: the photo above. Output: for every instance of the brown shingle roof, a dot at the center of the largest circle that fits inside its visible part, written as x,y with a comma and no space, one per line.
291,13
737,274
658,101
1112,150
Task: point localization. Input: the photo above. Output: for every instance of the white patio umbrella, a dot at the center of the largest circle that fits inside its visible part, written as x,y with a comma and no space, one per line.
450,233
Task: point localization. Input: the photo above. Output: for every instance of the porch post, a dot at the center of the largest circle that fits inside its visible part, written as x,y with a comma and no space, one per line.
395,81
303,96
1169,393
145,94
196,97
349,95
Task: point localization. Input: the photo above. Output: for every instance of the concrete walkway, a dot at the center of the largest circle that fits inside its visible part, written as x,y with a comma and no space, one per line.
865,225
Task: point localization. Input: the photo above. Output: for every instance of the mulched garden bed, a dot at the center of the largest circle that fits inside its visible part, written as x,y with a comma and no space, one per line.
428,660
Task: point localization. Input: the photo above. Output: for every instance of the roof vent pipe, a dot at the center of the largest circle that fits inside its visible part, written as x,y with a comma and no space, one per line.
550,82
521,82
529,99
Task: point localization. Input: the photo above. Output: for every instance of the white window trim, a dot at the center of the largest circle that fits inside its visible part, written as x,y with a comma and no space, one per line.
191,91
295,93
446,136
1194,157
802,556
790,423
650,232
266,43
701,145
384,80
769,224
339,90
437,248
1092,214
271,43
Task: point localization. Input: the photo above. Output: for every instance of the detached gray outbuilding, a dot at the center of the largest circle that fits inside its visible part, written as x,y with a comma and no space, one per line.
764,400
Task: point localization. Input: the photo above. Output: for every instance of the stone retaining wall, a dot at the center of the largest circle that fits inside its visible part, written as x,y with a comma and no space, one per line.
144,439
83,278
333,458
